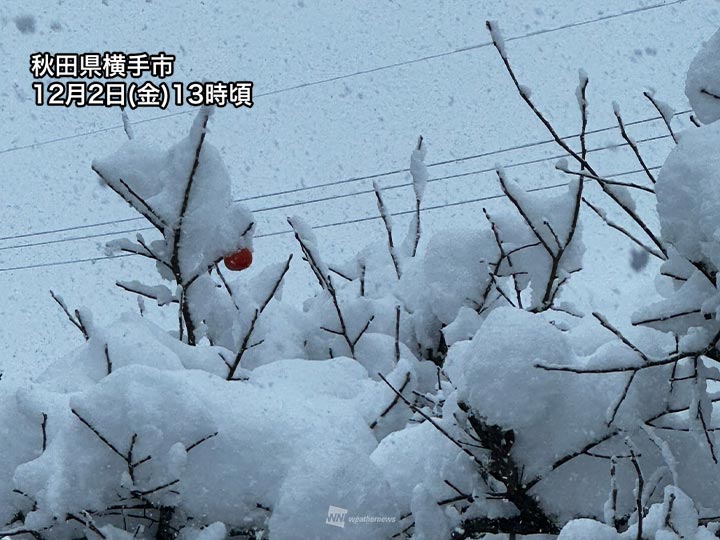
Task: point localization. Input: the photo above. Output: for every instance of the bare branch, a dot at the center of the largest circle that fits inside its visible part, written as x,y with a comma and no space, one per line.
392,403
638,496
601,214
522,212
43,427
631,143
606,324
149,215
586,174
658,108
251,328
108,362
397,333
388,229
363,330
100,436
585,165
227,286
200,441
75,321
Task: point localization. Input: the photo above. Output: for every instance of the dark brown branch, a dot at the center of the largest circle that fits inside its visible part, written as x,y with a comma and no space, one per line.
177,231
327,284
208,268
481,467
618,403
200,441
108,362
416,239
701,415
388,229
613,491
227,286
495,265
668,317
638,498
177,234
253,322
100,436
708,93
586,174
363,330
362,279
339,273
655,104
585,165
394,402
153,219
308,257
86,523
147,492
143,203
556,256
127,287
522,212
606,324
43,427
622,230
75,321
397,333
148,253
631,143
503,468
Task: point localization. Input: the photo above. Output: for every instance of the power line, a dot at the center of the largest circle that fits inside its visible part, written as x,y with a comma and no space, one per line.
523,146
448,205
366,71
335,197
453,176
326,225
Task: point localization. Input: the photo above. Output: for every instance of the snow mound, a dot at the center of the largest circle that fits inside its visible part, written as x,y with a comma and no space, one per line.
688,196
702,86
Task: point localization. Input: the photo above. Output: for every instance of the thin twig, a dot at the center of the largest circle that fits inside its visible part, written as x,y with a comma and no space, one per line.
394,402
256,315
585,165
655,103
631,143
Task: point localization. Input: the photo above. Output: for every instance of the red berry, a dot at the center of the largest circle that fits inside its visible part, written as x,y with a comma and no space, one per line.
240,260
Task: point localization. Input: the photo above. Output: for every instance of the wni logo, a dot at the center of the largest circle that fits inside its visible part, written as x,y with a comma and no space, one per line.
336,516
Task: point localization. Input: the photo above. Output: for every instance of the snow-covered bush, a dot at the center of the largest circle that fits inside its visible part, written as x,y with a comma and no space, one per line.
450,396
153,433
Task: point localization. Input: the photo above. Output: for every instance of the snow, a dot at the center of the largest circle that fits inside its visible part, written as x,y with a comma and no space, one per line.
455,267
582,529
171,409
307,238
501,380
702,86
660,523
418,169
201,213
214,531
496,36
286,400
582,83
665,109
429,458
689,197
